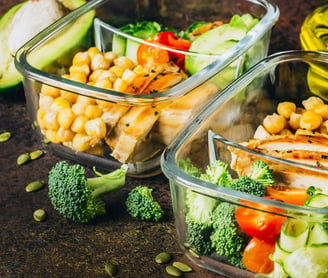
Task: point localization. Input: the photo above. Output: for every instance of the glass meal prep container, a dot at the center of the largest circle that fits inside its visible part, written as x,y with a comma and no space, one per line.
268,126
122,125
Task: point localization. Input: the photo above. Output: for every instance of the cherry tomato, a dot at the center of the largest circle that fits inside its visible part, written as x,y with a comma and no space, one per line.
150,54
168,38
291,195
264,224
256,256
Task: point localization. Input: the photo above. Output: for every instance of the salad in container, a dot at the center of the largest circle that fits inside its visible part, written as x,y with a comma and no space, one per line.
248,176
123,92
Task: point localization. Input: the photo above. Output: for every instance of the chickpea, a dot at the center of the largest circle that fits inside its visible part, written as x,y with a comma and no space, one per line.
274,123
286,108
79,124
65,117
310,120
50,91
64,135
311,102
93,111
96,128
294,120
322,110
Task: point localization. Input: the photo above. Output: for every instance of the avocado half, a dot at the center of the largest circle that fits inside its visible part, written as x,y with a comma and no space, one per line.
10,78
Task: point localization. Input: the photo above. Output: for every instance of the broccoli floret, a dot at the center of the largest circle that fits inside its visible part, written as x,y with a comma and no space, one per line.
198,236
141,205
187,166
262,172
217,173
227,238
77,197
248,185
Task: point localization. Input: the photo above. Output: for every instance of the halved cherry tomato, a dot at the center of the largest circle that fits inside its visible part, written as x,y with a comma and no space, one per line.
168,38
256,256
150,54
291,195
264,224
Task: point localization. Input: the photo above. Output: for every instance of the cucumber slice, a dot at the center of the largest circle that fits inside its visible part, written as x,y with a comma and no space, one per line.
308,262
119,45
318,234
131,50
319,200
294,234
280,254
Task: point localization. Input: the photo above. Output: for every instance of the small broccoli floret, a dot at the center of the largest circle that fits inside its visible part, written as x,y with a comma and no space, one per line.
198,236
141,205
77,197
248,185
227,238
262,173
187,166
217,173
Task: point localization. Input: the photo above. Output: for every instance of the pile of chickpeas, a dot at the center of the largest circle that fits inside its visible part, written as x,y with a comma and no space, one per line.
77,121
310,119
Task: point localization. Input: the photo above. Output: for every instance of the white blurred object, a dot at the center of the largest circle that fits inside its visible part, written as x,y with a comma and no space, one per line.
31,19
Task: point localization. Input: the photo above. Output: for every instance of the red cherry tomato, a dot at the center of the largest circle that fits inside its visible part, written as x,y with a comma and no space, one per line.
150,54
264,224
256,256
291,195
168,38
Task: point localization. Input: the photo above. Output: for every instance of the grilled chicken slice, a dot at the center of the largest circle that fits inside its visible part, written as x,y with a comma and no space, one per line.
174,116
113,115
306,149
135,133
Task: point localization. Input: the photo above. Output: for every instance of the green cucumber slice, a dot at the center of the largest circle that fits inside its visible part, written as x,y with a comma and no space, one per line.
294,234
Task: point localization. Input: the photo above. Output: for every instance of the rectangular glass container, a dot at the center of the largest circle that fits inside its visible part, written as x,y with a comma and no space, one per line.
223,131
155,118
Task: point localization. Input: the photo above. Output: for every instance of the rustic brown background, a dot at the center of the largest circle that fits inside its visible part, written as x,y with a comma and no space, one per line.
58,248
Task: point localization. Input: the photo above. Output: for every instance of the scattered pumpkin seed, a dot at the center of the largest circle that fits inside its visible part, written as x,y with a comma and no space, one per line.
173,271
163,258
194,253
39,215
34,186
111,269
5,136
23,158
35,154
182,266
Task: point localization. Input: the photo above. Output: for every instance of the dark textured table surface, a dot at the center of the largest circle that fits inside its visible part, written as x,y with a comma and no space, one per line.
58,248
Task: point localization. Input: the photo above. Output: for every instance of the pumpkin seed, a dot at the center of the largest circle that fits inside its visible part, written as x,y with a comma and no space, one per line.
173,271
182,266
111,269
163,258
34,186
39,215
23,158
194,253
5,136
36,154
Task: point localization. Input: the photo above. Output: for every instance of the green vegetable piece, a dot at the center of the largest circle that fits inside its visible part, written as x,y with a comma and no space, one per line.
10,77
163,258
111,269
5,136
182,266
77,197
23,158
34,186
36,154
173,271
39,215
141,205
227,238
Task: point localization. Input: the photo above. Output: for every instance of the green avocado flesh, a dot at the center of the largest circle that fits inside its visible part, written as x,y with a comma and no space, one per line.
10,78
